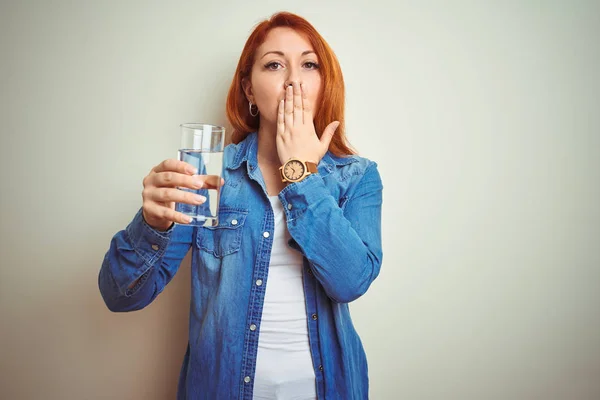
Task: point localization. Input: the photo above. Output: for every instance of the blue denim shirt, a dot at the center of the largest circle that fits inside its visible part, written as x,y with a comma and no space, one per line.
334,219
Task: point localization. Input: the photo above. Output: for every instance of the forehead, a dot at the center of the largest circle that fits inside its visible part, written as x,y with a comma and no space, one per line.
286,40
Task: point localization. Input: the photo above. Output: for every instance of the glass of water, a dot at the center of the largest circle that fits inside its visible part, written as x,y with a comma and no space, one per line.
202,147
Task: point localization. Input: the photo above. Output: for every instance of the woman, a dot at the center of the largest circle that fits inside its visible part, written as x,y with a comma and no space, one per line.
271,284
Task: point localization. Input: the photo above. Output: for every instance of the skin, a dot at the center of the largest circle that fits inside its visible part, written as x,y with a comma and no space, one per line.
285,84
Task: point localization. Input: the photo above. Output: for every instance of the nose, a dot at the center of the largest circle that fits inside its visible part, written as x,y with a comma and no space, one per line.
288,82
293,76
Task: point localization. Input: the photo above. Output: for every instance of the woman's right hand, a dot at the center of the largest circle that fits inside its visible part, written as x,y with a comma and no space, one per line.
161,192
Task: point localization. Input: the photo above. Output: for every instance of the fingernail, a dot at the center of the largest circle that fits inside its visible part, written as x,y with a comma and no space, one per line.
187,219
200,198
191,170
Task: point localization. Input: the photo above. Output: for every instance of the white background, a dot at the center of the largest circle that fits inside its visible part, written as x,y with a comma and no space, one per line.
484,120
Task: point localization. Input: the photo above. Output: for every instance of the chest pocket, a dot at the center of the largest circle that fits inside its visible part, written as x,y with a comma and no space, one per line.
225,238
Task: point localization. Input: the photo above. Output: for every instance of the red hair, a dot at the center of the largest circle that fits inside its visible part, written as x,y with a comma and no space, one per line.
331,105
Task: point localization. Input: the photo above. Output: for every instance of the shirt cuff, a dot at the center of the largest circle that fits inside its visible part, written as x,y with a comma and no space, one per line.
299,196
149,243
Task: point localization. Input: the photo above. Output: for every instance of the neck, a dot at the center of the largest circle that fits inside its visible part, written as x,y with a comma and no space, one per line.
267,146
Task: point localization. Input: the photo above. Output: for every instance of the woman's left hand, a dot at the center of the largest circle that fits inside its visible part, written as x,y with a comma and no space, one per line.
296,135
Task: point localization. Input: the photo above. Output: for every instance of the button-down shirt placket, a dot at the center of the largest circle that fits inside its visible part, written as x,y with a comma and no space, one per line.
256,302
313,329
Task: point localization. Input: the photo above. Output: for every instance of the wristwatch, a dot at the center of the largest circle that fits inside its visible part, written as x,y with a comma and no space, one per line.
295,170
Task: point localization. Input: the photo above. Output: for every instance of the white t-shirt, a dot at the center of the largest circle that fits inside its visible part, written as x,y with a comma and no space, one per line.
284,368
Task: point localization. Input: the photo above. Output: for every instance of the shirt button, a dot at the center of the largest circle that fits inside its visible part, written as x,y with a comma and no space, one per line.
155,247
290,206
314,317
258,282
266,234
234,222
252,327
320,368
247,379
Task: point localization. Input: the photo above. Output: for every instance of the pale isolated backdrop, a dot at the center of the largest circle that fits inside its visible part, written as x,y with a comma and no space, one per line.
483,117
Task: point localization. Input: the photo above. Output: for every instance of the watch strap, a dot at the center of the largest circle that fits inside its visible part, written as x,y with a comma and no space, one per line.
311,167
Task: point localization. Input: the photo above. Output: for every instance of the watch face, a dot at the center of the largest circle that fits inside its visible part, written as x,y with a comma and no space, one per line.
293,170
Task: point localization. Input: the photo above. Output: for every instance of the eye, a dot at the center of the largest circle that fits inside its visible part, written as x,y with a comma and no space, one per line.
311,65
273,66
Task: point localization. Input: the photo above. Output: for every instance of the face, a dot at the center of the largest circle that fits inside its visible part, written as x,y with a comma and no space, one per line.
284,57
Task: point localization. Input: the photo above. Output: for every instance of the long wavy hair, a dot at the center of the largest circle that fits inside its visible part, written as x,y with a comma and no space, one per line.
332,100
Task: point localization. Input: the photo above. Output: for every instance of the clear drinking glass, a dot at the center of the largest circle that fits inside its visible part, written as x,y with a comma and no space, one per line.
202,146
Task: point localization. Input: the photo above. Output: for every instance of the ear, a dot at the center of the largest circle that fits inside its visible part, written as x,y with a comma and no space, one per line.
247,86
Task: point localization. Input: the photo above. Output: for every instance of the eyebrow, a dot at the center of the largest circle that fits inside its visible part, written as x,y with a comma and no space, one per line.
281,53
